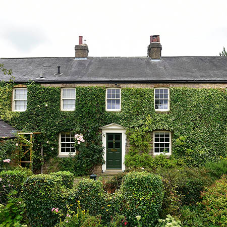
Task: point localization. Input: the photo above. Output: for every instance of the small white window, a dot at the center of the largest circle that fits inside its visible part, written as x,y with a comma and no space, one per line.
162,143
161,99
113,99
19,99
68,99
67,143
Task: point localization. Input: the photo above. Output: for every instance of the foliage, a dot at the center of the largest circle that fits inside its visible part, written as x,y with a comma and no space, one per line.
72,218
217,169
191,216
13,213
67,178
223,53
41,193
197,115
12,180
169,221
7,149
187,182
141,194
118,221
90,195
215,202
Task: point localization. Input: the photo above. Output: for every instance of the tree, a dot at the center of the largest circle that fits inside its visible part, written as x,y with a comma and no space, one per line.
5,71
223,53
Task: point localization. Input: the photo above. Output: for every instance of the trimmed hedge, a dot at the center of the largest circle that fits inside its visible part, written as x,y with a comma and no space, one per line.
12,180
141,194
41,193
90,193
67,178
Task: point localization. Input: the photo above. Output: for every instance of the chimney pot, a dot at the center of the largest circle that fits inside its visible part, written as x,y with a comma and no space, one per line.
80,40
155,48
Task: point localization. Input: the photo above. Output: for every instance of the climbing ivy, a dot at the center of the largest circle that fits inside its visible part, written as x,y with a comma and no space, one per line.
196,116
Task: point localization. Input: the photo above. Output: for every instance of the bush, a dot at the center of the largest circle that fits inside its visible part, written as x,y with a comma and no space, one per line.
12,214
217,169
67,178
41,193
12,180
169,221
141,194
90,193
188,182
215,202
191,216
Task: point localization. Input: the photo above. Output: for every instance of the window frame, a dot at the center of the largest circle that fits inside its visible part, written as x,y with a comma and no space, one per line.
162,110
62,100
65,154
116,110
170,143
14,100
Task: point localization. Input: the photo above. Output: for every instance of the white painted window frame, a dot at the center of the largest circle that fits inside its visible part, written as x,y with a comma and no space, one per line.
114,128
116,110
14,100
64,154
67,99
170,143
162,110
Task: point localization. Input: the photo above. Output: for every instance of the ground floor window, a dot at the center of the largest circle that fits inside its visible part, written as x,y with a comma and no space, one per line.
162,142
66,143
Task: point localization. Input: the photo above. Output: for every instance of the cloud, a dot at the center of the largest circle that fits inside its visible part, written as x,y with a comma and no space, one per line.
25,39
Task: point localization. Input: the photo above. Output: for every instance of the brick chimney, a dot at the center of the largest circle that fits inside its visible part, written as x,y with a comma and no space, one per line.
81,50
155,48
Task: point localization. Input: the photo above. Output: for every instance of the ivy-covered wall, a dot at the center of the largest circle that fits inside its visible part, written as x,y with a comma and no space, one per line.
197,120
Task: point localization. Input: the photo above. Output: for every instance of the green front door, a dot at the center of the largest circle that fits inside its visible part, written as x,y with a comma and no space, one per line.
113,156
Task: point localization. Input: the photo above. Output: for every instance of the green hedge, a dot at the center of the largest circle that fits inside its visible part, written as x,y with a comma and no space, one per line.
41,193
141,195
12,180
90,193
67,178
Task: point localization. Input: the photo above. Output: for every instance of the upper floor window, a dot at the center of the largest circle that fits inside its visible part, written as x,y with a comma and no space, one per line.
66,143
19,99
113,99
162,142
161,99
68,99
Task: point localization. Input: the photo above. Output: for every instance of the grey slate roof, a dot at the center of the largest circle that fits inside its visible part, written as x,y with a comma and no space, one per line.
6,131
117,69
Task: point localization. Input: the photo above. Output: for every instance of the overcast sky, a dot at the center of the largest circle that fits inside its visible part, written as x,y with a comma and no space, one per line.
50,28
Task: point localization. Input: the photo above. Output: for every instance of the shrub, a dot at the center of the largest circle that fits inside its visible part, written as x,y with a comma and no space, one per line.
188,182
12,214
41,193
12,180
90,193
217,169
215,202
141,194
67,178
191,216
169,221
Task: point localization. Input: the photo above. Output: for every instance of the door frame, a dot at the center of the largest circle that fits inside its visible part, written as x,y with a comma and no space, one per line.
114,128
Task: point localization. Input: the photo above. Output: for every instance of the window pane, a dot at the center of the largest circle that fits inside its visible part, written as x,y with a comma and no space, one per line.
68,104
117,137
21,105
69,93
